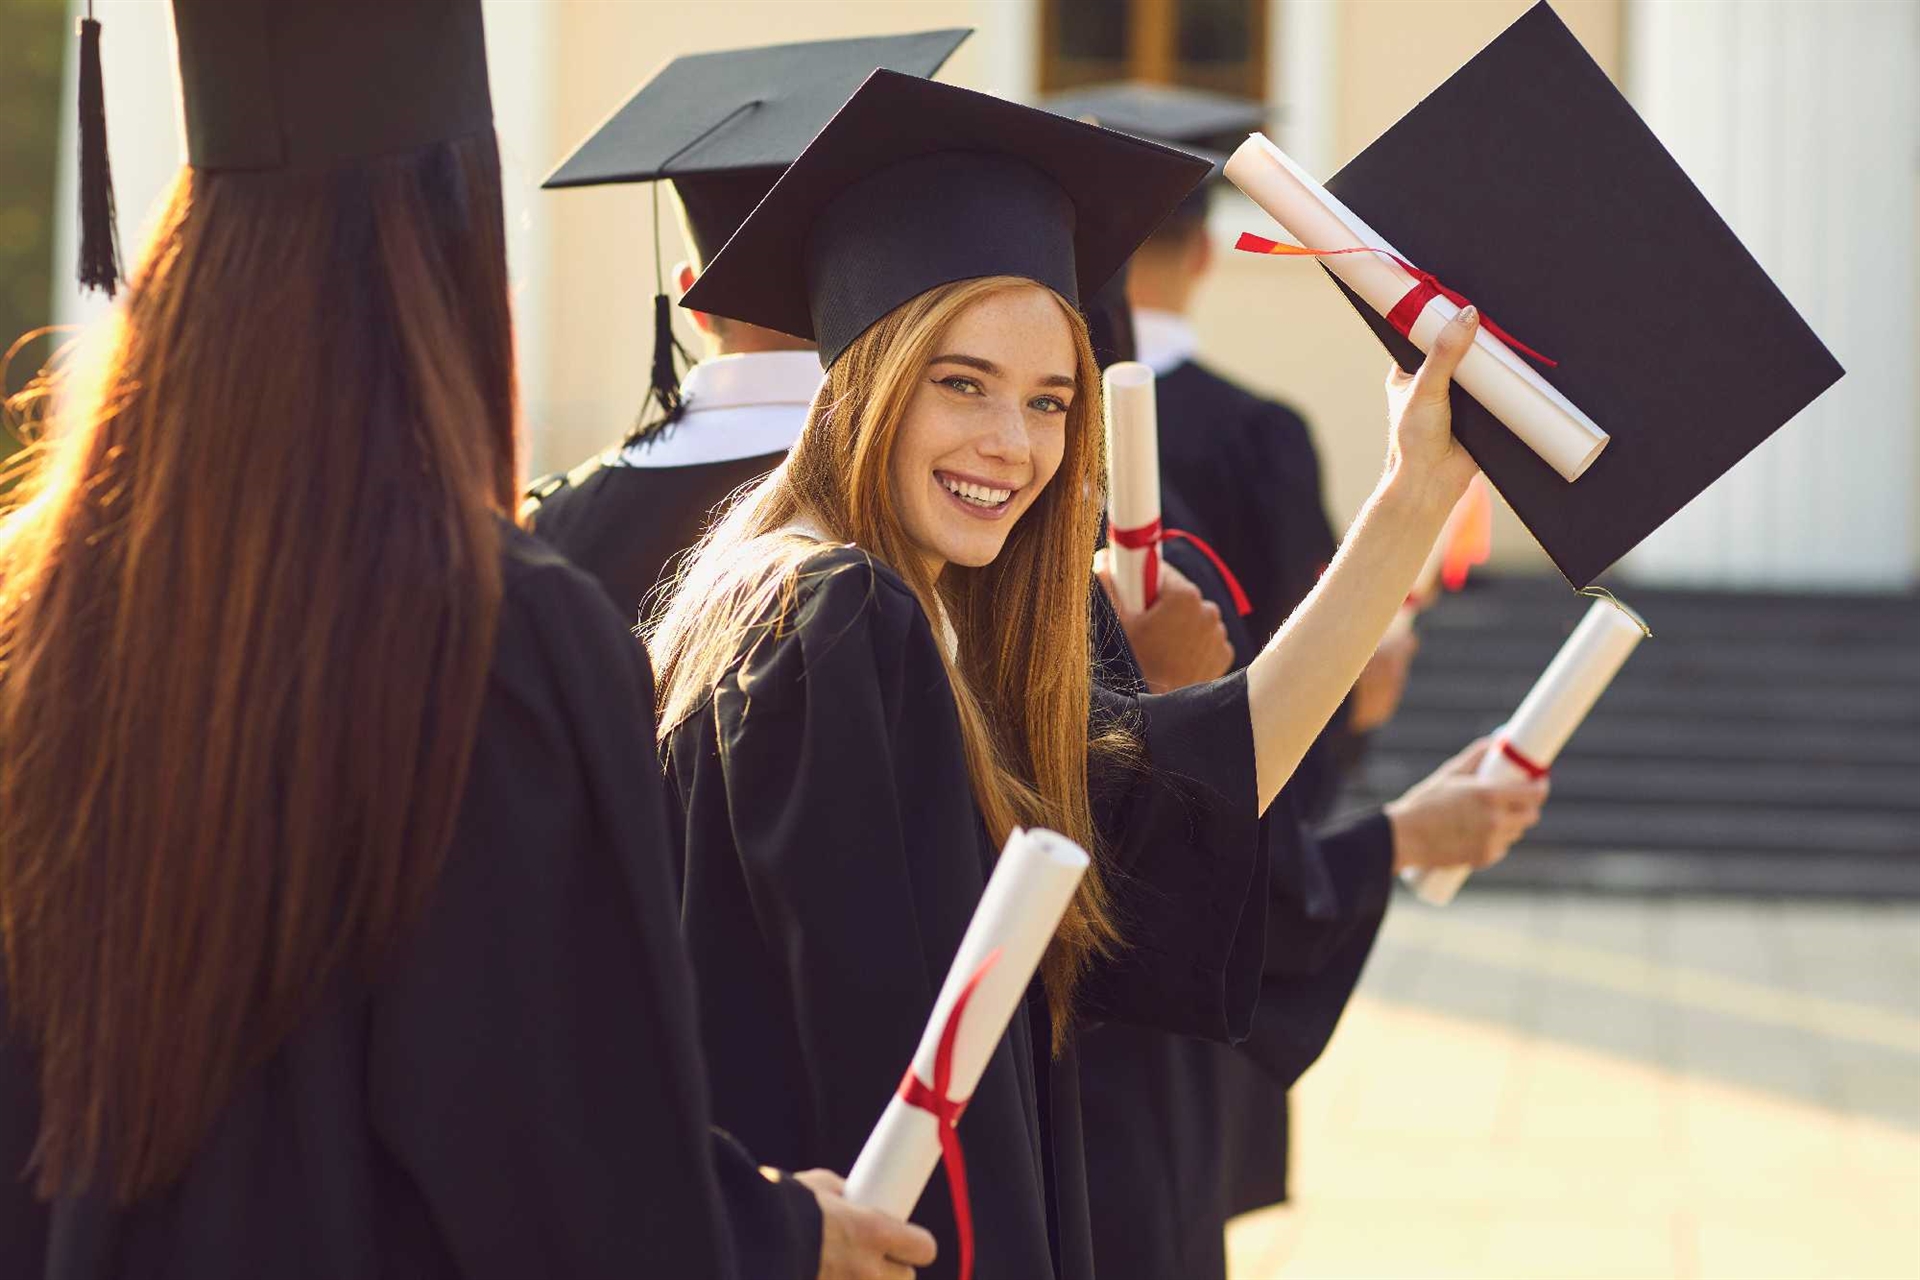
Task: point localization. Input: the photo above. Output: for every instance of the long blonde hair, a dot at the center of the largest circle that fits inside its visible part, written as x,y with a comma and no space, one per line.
1024,703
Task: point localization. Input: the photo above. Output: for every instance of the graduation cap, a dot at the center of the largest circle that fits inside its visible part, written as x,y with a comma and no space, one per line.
916,184
1527,183
722,127
1208,124
268,84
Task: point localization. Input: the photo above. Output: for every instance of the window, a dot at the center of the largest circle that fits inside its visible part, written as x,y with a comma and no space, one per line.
1209,44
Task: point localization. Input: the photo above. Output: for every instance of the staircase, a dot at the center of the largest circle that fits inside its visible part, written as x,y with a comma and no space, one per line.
1758,743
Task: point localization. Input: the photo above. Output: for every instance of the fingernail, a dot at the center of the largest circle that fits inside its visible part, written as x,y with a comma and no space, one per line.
1470,315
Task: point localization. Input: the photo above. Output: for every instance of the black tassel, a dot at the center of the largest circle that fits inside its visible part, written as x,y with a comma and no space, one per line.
99,237
662,408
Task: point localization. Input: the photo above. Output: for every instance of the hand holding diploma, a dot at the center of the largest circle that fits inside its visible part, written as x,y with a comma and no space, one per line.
1492,372
1031,886
1552,710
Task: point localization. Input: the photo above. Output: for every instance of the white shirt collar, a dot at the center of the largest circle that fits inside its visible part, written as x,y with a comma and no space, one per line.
738,406
1163,340
752,378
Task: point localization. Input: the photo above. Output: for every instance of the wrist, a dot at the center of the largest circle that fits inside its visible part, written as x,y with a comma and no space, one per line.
1415,495
1404,839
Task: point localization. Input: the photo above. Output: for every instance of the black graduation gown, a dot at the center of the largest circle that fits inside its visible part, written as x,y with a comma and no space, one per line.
625,525
520,1091
1182,1134
835,856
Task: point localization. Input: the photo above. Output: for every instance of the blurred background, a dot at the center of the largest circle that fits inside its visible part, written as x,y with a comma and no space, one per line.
1676,1034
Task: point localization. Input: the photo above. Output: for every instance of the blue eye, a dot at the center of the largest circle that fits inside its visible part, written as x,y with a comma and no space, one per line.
965,386
1048,404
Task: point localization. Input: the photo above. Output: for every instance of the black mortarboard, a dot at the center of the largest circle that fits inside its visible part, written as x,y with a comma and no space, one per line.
1190,118
1527,183
916,184
723,126
269,84
1207,124
272,84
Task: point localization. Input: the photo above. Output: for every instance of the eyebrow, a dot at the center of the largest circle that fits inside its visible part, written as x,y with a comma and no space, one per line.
989,367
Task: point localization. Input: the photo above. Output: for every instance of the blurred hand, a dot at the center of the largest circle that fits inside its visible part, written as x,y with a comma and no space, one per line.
863,1244
1452,819
1180,639
1376,694
1420,445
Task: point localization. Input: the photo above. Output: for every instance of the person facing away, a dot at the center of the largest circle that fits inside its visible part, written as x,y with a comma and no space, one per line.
338,925
716,129
879,662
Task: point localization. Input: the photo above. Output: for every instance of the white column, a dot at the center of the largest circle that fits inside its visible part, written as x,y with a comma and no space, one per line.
1799,120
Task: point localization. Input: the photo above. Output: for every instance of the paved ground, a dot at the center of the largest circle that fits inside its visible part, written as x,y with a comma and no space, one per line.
1535,1087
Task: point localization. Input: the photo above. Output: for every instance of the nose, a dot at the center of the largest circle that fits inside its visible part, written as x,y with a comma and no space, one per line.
1008,441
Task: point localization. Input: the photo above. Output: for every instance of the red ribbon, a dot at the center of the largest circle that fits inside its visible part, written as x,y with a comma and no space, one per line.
946,1110
1532,768
1148,537
1425,289
1142,537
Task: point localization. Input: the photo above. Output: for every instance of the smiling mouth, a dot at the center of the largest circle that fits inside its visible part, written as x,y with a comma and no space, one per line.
983,498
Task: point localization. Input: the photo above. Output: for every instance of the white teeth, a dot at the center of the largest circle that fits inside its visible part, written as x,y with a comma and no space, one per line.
978,494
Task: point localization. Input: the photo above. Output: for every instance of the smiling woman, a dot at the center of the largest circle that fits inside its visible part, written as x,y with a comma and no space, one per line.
878,664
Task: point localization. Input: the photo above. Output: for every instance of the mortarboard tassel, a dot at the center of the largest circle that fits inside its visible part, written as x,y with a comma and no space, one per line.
663,390
99,237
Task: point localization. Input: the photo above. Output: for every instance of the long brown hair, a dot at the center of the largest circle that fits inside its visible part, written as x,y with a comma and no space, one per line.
247,601
1023,707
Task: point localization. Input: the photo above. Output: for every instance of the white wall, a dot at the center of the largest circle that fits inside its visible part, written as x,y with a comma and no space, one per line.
1798,119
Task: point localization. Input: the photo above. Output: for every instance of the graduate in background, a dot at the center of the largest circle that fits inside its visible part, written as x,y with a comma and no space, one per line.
715,129
879,662
338,924
1183,1134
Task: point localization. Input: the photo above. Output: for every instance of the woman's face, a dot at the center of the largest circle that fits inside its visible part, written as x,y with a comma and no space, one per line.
986,428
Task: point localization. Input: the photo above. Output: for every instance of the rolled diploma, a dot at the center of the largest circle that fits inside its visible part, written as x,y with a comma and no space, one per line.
1504,383
1559,700
1029,891
1133,474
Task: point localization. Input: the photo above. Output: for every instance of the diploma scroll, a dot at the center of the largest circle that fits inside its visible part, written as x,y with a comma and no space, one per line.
1030,888
1133,484
1553,709
1491,372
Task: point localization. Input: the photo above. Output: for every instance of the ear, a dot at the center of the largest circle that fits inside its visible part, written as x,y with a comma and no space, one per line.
1201,258
683,278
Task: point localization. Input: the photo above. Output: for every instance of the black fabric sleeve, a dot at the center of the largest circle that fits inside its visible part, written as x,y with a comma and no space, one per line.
775,1222
1310,977
1187,855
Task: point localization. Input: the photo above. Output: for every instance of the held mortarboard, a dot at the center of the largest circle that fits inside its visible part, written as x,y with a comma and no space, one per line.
1527,183
916,184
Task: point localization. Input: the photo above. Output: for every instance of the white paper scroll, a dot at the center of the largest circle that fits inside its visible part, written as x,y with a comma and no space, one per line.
1029,891
1133,480
1559,700
1501,380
